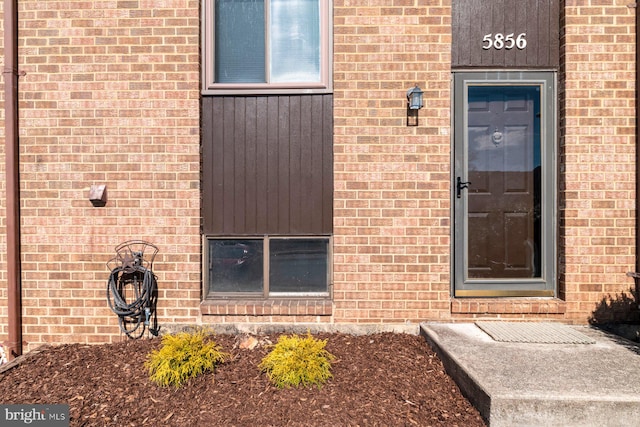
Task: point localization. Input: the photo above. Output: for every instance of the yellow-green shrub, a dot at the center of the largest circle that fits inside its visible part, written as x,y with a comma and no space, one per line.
297,360
183,356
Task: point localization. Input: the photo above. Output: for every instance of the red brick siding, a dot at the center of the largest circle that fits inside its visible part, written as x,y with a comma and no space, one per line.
110,96
392,205
597,154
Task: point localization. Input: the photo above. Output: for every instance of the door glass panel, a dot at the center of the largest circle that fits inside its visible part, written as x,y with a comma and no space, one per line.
504,192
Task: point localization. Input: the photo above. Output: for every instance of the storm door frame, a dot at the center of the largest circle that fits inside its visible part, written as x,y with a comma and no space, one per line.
546,284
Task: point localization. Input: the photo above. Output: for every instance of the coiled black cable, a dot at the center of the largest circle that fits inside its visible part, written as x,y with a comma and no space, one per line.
140,313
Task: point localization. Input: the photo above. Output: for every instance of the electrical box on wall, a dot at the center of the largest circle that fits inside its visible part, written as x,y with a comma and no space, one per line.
98,195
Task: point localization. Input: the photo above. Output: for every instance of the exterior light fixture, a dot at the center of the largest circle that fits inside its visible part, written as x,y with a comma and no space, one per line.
414,103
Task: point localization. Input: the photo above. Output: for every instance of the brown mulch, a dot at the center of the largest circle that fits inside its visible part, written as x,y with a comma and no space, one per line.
378,380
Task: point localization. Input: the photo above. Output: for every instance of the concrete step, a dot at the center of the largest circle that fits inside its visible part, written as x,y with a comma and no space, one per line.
533,384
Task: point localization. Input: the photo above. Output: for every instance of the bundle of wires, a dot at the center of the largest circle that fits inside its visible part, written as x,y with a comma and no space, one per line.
132,293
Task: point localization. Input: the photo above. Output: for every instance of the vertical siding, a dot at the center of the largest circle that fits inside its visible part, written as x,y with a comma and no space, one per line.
473,19
268,165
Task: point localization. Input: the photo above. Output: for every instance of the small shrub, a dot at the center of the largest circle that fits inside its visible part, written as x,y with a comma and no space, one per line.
297,360
183,356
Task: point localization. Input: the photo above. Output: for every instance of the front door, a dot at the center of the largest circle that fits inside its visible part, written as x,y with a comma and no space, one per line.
504,184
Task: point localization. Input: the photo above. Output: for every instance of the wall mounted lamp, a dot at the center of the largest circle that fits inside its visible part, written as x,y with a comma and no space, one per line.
414,103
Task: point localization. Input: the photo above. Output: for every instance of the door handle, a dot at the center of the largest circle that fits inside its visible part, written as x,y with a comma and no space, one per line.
461,186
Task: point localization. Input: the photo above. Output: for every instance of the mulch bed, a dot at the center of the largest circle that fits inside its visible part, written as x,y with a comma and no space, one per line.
378,380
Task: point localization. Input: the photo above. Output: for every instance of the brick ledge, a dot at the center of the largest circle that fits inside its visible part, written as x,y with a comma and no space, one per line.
507,306
273,307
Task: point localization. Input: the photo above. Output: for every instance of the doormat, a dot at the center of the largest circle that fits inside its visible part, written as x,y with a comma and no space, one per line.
534,332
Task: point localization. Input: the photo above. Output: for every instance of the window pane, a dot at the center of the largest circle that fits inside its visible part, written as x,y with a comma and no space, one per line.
295,41
235,265
298,265
239,41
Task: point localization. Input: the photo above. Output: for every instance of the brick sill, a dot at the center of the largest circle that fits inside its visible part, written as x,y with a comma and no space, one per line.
507,306
272,307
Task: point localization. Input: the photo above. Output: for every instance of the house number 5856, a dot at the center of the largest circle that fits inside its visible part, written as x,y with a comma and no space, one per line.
500,41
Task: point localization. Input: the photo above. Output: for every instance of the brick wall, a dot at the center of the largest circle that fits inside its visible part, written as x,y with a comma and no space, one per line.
110,96
392,206
392,202
597,155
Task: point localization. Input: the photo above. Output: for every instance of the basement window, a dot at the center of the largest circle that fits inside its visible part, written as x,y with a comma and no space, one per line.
267,267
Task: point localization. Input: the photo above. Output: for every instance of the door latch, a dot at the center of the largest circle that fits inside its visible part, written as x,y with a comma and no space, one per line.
460,186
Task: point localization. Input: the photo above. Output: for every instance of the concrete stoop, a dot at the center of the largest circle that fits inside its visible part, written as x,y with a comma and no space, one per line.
532,384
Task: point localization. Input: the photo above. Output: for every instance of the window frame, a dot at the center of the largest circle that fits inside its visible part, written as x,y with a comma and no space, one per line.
210,87
266,294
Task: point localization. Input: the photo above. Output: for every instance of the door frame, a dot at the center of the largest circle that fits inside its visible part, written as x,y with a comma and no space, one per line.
546,285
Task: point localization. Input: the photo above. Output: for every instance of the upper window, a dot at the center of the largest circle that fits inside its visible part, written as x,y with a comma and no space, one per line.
271,46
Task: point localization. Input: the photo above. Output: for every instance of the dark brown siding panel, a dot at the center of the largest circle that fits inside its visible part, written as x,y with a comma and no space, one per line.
240,178
207,159
273,195
268,165
283,166
262,149
327,164
539,20
539,51
228,144
316,158
251,184
295,165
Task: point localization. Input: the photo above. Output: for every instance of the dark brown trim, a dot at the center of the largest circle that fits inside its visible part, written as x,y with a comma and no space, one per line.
12,181
484,34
